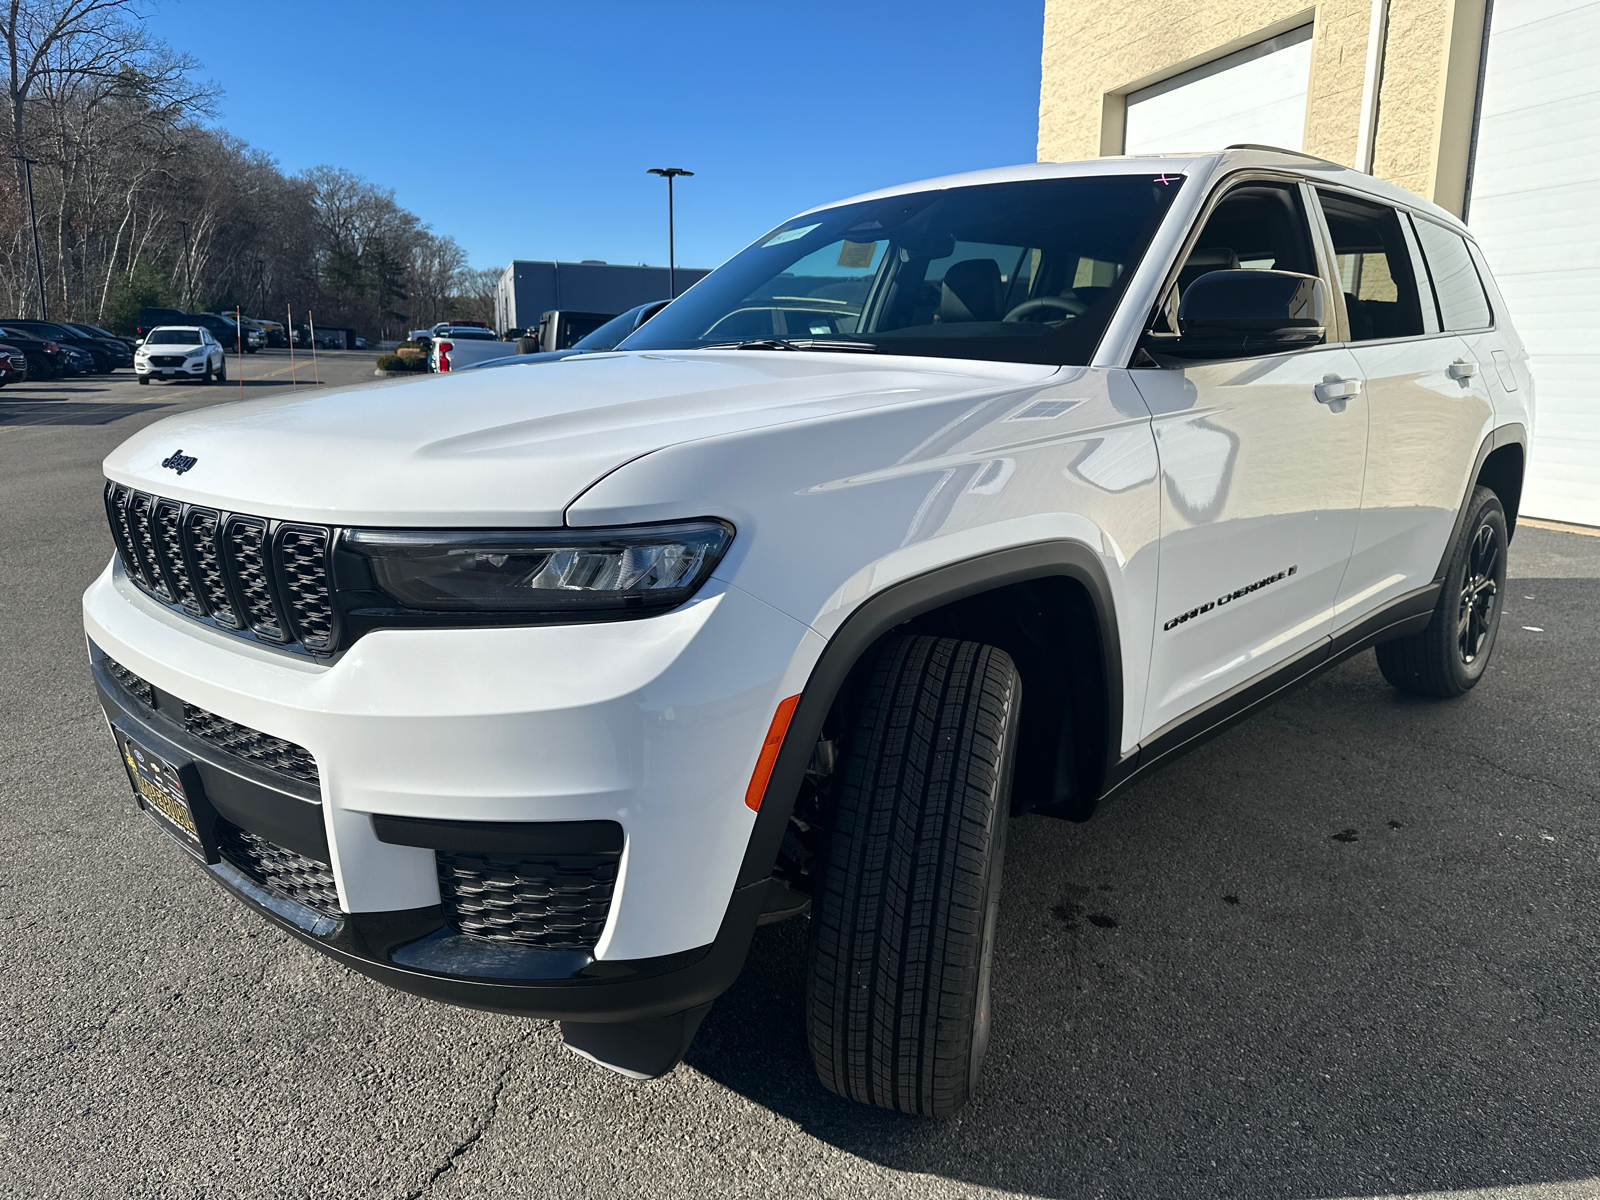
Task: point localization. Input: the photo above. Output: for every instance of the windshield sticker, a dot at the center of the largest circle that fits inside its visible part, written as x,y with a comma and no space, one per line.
857,254
789,235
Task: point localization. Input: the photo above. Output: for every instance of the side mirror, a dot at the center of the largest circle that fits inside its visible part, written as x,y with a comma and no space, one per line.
1224,314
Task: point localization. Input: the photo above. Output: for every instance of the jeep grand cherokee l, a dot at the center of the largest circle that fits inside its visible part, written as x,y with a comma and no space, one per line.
536,689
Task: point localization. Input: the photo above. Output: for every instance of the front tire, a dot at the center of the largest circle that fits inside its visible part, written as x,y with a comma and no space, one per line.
903,918
222,371
1449,656
144,381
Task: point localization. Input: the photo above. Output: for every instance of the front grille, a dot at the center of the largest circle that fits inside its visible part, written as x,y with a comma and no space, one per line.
131,683
166,360
556,902
273,753
267,580
268,865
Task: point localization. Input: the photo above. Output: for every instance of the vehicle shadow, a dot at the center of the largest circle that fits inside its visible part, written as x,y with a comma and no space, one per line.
1329,954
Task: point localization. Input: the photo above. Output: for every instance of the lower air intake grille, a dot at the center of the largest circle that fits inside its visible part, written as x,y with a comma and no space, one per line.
268,865
557,902
131,683
273,753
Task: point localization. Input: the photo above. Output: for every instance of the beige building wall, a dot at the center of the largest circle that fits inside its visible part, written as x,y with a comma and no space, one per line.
1097,51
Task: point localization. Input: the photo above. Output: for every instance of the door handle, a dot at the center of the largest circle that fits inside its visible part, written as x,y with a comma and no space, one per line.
1333,390
1461,369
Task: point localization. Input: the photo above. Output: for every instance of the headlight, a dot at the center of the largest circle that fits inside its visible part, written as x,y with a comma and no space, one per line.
640,569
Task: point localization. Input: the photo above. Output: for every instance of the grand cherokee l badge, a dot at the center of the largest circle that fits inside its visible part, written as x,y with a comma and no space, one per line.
179,461
1228,599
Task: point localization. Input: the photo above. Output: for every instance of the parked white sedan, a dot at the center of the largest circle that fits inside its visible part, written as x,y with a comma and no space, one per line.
179,352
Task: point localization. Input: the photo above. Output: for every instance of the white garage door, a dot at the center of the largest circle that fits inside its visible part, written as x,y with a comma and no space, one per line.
1535,208
1255,95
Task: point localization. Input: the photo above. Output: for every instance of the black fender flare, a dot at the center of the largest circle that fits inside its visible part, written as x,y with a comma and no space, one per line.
896,605
1512,434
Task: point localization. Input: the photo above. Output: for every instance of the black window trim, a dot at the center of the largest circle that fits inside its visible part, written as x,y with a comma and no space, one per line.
1316,230
1488,301
1404,210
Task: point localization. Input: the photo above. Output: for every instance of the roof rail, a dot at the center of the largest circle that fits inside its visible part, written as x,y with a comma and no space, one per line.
1281,150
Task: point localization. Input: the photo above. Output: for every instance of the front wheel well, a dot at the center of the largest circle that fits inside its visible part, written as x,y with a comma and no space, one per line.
1051,630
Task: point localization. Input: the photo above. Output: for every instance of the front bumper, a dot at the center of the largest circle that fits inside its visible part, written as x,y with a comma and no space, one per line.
191,370
653,724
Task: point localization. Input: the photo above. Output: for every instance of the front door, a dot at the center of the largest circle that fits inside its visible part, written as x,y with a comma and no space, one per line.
1261,469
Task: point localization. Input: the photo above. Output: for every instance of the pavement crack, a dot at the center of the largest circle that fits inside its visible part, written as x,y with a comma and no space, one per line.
472,1138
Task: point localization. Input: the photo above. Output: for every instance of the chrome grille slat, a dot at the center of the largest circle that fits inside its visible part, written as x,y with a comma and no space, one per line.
122,533
244,544
303,554
243,574
200,535
140,520
169,545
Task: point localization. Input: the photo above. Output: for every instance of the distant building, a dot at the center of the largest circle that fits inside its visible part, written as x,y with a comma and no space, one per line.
529,289
1490,108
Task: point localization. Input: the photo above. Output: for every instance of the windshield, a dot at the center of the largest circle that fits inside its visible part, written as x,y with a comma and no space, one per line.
1017,272
612,332
173,337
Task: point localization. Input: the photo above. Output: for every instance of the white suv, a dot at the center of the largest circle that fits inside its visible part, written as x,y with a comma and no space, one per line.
955,501
180,352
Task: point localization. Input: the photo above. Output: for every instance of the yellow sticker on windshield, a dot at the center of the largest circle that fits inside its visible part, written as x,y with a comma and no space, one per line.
856,254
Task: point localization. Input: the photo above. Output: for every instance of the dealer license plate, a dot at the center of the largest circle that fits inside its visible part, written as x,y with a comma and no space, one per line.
156,782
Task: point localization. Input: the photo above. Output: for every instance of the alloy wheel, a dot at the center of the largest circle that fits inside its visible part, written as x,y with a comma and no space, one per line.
1480,593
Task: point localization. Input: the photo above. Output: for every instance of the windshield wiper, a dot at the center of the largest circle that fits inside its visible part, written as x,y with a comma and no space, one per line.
800,344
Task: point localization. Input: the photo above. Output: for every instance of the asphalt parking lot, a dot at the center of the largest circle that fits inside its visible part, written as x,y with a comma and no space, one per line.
1348,949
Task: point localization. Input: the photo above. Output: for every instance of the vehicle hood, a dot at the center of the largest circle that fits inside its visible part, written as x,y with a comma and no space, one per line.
512,360
515,445
173,347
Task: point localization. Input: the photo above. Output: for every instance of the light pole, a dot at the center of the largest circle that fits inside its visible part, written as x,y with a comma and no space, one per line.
33,219
669,174
188,267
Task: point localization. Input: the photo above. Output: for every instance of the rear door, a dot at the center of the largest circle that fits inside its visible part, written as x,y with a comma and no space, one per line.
1261,478
1428,407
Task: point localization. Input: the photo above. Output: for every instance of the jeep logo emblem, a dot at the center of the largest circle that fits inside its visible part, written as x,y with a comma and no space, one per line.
179,461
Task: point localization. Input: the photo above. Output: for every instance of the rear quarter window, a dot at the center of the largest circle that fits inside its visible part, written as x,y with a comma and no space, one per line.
1463,303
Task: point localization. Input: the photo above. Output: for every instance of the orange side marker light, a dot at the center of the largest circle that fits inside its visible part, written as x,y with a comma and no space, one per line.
769,753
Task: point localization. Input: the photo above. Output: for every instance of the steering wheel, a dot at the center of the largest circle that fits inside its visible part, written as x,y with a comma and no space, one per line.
1062,304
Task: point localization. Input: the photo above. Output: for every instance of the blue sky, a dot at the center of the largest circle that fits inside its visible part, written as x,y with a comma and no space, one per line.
523,130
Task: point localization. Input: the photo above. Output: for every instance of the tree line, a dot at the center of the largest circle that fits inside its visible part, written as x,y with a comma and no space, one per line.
139,204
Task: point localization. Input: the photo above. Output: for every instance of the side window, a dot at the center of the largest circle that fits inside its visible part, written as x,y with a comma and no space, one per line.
1462,303
1256,227
1375,274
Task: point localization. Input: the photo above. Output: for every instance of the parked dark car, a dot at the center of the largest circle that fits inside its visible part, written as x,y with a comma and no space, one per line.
222,328
80,361
604,338
13,365
121,348
103,358
150,318
46,358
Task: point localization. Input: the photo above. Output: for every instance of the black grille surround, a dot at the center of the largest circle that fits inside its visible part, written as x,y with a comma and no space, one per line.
268,581
270,866
554,902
